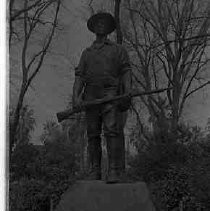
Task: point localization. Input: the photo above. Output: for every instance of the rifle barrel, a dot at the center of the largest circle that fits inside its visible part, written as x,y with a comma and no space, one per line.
65,114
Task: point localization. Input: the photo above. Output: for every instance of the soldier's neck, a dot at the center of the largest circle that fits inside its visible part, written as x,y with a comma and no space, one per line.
101,38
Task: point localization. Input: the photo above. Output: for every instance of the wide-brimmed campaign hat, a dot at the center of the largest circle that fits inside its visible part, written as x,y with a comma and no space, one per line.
109,20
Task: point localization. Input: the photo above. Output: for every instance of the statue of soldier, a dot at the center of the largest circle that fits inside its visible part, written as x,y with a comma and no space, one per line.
103,70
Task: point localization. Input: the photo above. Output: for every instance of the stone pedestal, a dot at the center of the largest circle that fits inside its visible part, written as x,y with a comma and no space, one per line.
98,196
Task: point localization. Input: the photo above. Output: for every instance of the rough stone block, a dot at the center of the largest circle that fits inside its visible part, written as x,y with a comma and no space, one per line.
98,196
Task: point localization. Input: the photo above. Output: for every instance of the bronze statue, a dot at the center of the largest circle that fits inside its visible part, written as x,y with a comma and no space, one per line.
103,71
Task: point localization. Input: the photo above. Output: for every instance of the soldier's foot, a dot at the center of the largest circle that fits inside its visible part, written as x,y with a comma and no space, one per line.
113,177
117,177
94,175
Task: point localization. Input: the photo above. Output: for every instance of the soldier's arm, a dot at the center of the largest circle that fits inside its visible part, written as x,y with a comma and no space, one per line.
77,90
79,82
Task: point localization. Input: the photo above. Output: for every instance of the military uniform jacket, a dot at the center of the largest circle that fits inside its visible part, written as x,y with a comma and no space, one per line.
101,67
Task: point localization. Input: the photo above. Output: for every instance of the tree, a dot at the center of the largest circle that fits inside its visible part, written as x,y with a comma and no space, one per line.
168,41
71,132
51,132
76,133
119,34
30,17
208,125
26,124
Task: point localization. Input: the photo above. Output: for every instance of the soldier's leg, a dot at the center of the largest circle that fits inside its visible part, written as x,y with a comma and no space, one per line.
114,142
94,123
122,117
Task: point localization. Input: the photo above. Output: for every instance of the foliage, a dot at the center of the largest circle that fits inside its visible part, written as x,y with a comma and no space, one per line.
178,173
28,194
38,176
51,132
171,189
159,155
186,186
22,161
59,167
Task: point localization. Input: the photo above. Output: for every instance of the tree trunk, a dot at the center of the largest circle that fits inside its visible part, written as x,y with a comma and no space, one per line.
117,19
122,116
14,123
175,112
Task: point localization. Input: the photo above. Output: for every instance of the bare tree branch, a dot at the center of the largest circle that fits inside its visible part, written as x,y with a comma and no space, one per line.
28,28
198,88
92,11
26,9
177,38
44,50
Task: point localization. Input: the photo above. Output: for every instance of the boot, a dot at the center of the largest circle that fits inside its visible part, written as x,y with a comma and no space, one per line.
95,152
94,175
115,168
113,177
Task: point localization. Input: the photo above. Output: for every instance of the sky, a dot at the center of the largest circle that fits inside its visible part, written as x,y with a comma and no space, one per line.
52,88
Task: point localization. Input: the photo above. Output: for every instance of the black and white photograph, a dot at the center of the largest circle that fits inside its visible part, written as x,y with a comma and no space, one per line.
107,105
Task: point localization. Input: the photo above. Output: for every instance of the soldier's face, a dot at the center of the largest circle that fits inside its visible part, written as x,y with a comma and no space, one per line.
100,27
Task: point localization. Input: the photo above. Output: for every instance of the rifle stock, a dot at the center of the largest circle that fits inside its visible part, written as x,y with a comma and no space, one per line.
65,114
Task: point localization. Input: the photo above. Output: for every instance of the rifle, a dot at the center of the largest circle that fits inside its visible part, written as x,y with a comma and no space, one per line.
65,114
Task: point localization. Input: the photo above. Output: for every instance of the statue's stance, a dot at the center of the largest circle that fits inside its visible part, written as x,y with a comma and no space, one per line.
103,70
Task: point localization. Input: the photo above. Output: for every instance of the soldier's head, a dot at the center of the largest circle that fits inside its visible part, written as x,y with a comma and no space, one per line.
100,27
101,23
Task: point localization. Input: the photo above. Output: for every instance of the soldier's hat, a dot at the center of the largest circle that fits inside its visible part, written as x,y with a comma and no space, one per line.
109,20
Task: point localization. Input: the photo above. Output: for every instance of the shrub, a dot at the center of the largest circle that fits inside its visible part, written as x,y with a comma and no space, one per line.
28,194
23,157
153,163
200,181
41,176
177,172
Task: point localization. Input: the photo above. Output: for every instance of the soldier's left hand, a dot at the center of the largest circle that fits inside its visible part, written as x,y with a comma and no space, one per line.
124,104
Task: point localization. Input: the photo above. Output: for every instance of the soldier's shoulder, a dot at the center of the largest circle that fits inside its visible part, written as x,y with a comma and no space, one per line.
85,50
119,46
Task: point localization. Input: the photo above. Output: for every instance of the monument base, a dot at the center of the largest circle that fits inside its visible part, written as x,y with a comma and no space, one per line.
99,196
